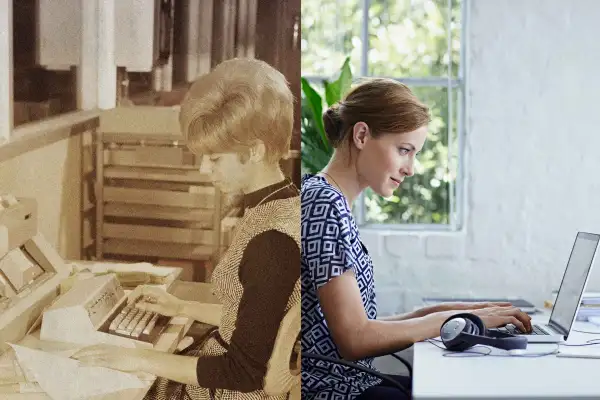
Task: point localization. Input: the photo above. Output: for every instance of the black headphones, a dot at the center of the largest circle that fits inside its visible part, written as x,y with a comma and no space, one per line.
463,331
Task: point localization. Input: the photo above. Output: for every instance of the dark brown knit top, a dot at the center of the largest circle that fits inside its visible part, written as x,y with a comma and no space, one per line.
257,281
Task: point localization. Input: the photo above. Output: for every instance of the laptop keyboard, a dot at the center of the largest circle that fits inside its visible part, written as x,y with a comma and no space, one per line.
535,330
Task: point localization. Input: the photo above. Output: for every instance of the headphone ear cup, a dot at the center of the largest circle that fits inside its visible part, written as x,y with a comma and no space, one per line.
477,322
453,332
457,329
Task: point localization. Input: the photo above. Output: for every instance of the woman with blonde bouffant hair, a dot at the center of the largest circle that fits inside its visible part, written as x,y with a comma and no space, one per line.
377,130
239,117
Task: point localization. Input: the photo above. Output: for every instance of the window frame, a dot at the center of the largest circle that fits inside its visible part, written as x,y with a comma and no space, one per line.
95,88
457,209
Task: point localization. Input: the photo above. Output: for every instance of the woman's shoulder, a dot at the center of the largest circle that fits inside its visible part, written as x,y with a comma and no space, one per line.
316,190
323,203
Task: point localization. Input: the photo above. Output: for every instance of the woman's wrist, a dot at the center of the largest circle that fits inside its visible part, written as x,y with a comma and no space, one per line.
183,308
432,323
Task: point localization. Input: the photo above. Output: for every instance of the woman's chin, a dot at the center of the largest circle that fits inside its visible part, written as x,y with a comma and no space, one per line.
221,186
385,192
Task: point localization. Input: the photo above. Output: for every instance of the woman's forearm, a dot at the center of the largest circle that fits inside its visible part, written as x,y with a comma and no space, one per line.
177,368
378,337
206,313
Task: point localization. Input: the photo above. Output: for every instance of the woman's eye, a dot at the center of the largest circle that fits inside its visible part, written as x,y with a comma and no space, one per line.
403,151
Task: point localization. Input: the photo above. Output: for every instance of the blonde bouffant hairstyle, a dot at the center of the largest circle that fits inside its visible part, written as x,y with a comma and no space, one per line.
238,103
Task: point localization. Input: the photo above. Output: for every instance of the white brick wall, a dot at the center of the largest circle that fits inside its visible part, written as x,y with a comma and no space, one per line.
532,162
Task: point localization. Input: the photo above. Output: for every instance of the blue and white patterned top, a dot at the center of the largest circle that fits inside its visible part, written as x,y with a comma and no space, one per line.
330,246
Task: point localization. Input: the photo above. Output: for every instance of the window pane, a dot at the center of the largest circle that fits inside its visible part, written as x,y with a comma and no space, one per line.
410,38
331,31
425,197
45,53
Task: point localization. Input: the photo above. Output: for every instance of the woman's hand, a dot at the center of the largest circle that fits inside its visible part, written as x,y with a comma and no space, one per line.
157,300
113,357
494,317
174,367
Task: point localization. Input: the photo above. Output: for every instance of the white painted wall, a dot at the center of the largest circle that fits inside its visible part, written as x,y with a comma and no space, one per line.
51,175
532,162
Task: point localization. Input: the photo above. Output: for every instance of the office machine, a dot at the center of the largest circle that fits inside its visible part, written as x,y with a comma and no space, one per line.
30,269
32,274
98,306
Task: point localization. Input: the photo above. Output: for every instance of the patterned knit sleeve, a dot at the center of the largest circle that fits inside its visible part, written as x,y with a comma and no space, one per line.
268,272
328,243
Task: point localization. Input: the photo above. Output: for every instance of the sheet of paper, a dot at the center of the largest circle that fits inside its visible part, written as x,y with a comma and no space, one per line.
3,240
138,267
63,378
580,351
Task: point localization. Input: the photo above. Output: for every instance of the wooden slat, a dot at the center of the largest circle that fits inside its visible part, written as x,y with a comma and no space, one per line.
157,249
150,185
135,138
131,158
156,174
203,198
203,216
159,233
149,121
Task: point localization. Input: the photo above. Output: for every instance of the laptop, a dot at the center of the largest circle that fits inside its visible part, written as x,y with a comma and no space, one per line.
569,294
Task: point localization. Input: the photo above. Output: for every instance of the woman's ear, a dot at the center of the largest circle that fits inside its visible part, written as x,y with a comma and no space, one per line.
360,134
257,152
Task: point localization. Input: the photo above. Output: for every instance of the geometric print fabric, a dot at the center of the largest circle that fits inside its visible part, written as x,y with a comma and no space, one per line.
331,245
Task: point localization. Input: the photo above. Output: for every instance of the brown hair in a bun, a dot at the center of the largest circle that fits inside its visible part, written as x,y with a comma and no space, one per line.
333,124
385,105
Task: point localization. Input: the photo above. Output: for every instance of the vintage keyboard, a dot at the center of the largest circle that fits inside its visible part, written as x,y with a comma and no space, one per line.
137,324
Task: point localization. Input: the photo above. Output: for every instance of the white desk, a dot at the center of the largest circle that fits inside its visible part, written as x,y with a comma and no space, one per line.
485,377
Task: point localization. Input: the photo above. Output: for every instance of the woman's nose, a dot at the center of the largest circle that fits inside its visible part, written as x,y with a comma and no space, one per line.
206,165
408,169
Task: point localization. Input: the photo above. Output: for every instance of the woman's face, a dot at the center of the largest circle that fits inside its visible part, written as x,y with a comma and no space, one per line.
383,163
226,171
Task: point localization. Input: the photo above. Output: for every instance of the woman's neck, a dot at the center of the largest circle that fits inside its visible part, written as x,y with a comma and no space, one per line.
341,173
265,175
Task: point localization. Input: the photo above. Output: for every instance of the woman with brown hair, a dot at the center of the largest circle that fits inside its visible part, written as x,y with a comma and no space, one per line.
377,131
240,118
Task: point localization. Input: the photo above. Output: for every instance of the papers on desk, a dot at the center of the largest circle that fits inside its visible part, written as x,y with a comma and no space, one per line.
579,352
141,273
63,378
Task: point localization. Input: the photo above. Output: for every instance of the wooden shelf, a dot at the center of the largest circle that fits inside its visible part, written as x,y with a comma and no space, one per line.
152,203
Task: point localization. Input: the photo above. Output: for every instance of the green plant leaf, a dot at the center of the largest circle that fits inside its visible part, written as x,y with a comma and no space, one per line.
337,89
315,104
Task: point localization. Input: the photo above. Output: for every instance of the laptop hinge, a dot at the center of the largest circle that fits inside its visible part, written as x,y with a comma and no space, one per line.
559,329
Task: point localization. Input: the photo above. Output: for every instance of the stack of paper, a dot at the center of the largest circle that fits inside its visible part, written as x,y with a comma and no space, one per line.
63,378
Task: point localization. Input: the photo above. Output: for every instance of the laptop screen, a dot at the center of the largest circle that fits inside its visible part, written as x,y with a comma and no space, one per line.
574,281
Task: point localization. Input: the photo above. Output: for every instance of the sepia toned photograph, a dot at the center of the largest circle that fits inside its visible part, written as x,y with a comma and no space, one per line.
149,199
